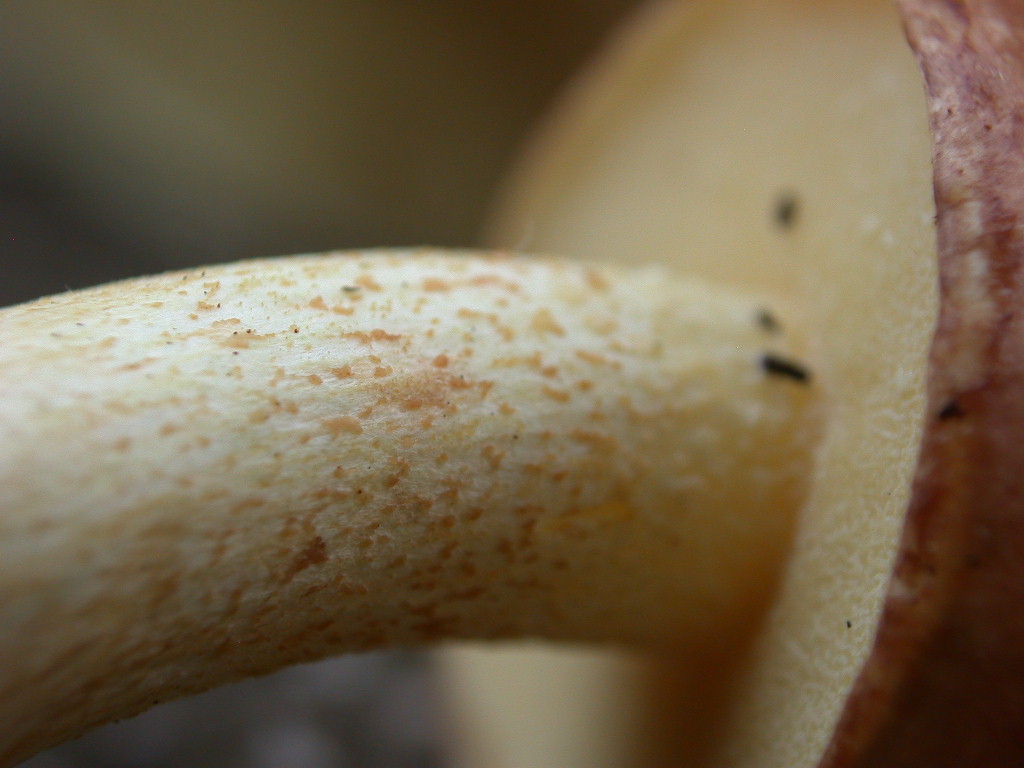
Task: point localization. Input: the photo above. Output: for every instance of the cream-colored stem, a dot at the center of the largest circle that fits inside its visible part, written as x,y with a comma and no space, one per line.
210,474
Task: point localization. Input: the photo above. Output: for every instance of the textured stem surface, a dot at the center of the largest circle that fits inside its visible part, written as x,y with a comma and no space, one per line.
210,474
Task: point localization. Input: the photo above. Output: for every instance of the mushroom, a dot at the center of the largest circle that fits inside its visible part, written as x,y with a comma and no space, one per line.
793,146
208,475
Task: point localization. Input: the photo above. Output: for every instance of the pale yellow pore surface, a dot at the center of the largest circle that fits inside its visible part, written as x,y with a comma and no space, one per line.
207,475
693,143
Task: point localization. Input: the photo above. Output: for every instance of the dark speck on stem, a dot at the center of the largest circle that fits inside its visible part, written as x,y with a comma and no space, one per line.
775,365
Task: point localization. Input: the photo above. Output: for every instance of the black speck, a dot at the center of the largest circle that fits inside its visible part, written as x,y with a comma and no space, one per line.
951,410
786,210
775,365
350,288
767,321
849,623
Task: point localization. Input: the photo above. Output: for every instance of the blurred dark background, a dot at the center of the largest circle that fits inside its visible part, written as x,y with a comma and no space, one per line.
149,135
145,135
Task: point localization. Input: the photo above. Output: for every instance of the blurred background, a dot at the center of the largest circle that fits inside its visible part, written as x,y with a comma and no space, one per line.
149,135
145,135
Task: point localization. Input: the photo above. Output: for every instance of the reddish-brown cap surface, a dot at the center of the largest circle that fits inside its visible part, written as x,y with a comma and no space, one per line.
944,685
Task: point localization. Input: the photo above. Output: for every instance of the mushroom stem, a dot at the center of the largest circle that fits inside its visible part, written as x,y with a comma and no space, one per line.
207,475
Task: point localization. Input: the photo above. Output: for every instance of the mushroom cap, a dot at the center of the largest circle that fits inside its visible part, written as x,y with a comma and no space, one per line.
944,684
787,145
